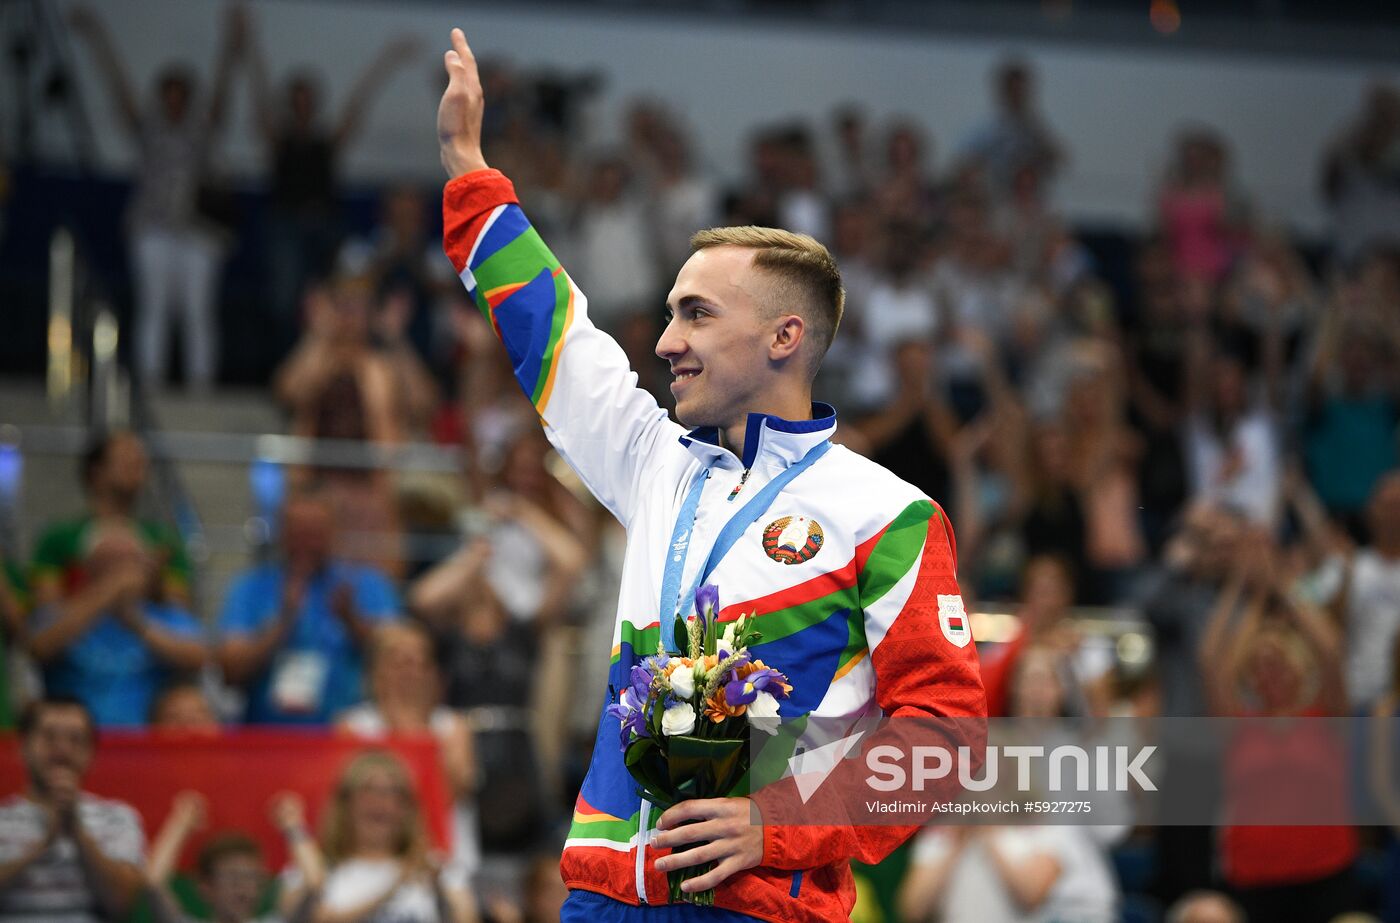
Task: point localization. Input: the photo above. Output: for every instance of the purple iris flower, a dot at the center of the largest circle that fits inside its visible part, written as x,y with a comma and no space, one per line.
630,712
706,601
744,691
641,681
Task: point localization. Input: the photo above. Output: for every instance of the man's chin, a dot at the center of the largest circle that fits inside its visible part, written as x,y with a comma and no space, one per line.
691,417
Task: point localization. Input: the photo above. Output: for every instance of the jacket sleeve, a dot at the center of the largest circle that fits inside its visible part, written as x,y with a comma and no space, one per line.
576,376
926,671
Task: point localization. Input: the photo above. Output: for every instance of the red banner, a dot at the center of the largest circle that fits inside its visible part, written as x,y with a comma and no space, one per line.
239,773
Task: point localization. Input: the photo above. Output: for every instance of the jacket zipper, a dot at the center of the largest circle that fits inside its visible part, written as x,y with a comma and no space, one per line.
643,828
740,486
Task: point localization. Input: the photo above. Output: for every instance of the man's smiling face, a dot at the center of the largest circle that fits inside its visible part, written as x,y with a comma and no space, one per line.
718,336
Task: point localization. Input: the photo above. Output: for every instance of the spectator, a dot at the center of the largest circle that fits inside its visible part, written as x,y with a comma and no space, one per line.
1158,339
406,698
905,194
65,854
1282,657
849,159
1016,137
913,434
524,485
1048,504
802,205
1047,593
685,200
1205,907
113,475
1361,178
1180,596
1232,446
183,708
114,645
338,385
303,156
375,850
293,630
973,282
491,662
614,247
1198,211
176,246
407,264
994,874
1367,598
231,873
1106,455
897,308
1351,413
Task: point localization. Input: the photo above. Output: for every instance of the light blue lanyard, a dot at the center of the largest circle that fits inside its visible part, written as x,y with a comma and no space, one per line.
671,598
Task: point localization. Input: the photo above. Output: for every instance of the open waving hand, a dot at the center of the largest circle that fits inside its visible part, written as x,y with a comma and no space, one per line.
459,113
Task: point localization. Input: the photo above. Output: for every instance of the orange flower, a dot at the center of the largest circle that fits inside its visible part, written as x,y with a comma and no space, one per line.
718,709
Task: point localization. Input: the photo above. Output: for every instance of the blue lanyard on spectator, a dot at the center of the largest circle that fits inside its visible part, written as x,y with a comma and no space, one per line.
671,598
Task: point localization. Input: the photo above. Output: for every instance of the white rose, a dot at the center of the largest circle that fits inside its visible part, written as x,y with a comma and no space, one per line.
679,719
683,682
726,637
763,713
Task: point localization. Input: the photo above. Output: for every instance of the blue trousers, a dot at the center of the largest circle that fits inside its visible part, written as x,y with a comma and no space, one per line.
588,907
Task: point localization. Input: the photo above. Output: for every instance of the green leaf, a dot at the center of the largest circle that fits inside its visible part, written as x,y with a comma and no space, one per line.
681,636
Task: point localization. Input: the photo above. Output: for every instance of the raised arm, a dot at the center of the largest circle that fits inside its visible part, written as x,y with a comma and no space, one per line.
90,28
264,109
575,375
235,41
396,53
1219,646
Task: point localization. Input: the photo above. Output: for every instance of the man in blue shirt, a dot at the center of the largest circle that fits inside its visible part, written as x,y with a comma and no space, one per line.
114,646
292,631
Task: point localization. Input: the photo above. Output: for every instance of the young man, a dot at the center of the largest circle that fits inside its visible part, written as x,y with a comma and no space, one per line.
65,855
848,568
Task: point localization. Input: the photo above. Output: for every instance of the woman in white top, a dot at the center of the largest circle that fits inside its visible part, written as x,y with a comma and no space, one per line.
406,699
375,848
1016,874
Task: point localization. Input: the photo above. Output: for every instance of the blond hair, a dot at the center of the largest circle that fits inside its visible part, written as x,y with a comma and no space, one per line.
337,830
809,283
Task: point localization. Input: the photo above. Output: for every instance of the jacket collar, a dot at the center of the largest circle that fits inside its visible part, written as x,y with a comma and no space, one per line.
767,438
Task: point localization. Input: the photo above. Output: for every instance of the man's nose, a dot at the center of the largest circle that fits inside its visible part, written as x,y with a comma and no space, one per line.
671,343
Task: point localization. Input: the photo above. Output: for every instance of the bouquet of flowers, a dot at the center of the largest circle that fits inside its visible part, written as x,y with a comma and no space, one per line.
686,719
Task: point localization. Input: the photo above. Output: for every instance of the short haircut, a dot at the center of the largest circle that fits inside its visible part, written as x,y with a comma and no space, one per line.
95,455
168,692
31,713
805,271
225,846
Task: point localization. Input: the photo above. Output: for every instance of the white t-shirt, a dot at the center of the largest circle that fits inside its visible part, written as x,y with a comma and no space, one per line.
893,315
1373,620
357,882
974,892
366,721
1254,488
53,888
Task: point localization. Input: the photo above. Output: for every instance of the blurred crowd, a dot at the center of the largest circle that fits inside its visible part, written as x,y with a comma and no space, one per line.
1208,441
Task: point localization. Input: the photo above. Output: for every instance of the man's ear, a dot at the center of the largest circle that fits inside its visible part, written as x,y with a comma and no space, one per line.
787,337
